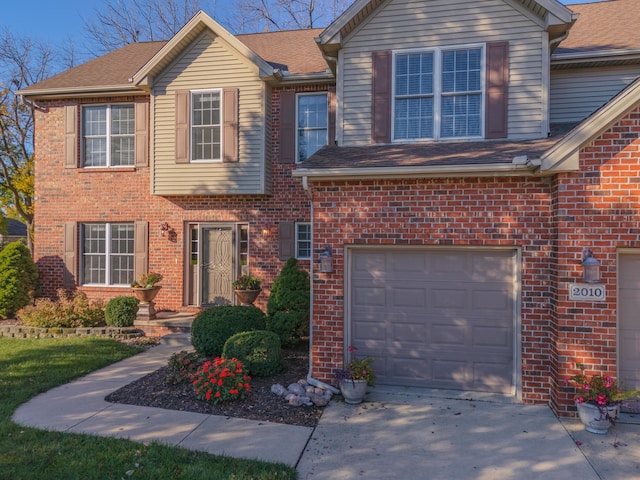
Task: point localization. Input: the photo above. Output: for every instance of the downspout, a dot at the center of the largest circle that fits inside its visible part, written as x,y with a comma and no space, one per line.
310,380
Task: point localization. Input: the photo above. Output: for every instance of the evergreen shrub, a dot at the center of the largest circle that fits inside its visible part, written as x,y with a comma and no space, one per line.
259,351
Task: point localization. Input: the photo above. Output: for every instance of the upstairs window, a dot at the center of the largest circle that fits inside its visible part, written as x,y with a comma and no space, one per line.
438,94
108,135
206,126
312,124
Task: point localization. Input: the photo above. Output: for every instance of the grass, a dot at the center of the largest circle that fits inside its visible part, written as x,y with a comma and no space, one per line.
31,366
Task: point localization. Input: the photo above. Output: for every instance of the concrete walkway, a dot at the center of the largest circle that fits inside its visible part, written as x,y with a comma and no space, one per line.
396,434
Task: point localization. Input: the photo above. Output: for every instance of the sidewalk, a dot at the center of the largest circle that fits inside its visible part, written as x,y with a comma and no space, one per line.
398,433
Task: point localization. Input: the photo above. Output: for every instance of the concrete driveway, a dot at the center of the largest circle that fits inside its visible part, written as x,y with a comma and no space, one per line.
402,434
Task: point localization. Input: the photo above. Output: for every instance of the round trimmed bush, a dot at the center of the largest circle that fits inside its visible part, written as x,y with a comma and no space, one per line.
258,350
212,327
121,311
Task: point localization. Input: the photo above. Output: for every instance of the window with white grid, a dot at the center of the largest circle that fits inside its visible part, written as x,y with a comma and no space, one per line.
303,241
107,251
206,126
108,135
313,123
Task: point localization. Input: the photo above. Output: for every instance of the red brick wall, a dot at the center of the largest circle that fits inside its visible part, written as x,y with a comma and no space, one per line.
123,195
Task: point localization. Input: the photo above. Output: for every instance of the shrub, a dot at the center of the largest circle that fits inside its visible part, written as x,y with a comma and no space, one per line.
289,326
18,278
182,366
221,380
69,311
259,351
121,311
290,294
212,327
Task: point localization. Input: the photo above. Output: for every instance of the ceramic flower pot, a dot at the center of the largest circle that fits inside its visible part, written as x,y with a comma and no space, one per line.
247,297
595,419
146,295
353,391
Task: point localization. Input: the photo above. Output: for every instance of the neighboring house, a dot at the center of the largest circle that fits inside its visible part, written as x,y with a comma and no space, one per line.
16,230
470,152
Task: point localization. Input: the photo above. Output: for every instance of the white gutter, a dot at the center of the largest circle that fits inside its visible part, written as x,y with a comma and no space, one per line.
310,380
591,56
519,167
75,91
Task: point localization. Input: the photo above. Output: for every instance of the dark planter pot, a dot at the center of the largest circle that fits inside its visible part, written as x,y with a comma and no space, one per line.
247,297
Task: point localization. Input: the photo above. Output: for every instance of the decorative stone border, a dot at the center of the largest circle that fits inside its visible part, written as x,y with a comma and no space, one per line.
21,331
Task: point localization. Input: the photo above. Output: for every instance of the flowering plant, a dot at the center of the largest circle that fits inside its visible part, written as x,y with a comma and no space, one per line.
357,369
246,282
598,390
147,280
221,380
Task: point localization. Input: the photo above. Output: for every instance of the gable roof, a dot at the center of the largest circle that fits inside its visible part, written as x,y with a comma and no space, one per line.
118,71
593,40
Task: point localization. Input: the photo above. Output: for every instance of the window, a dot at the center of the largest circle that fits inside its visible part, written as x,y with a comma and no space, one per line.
438,94
312,120
206,126
107,253
108,135
303,241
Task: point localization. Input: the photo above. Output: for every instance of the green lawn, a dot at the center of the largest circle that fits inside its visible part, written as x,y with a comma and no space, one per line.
29,367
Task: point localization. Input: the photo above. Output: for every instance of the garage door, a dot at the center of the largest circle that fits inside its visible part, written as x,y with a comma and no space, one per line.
435,318
629,320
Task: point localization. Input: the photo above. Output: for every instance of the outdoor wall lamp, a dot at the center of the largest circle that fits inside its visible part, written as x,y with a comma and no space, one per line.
591,266
164,228
326,260
266,228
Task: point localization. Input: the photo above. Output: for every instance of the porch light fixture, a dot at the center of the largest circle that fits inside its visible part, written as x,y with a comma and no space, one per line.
266,228
591,266
164,228
326,260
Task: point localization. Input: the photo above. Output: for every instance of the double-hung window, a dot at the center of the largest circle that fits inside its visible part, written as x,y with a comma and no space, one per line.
107,253
438,94
108,135
303,241
312,124
206,125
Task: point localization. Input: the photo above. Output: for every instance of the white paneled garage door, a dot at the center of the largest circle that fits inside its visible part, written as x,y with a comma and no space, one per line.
437,318
629,320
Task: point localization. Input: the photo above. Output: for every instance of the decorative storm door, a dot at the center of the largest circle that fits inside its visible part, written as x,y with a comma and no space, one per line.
217,253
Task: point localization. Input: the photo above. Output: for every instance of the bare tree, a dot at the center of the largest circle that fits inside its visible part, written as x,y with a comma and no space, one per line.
120,22
23,62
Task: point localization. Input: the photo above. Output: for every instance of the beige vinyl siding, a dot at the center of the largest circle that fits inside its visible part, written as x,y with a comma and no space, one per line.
209,63
578,92
419,24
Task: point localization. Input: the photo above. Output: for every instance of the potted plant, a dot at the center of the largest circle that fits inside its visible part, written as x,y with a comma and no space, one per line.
247,288
355,377
597,400
145,288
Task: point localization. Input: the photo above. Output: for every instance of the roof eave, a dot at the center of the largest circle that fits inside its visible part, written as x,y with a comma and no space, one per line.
284,78
587,58
93,91
528,168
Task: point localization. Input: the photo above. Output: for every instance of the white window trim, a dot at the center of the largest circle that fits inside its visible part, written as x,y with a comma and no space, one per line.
219,91
307,94
107,254
437,91
297,236
108,134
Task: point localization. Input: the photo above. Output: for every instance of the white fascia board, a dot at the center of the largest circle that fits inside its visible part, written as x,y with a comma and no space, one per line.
68,92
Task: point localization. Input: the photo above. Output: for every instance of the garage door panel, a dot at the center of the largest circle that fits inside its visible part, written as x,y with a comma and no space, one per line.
449,325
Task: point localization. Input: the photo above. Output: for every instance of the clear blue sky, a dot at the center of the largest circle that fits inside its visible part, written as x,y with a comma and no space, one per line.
57,21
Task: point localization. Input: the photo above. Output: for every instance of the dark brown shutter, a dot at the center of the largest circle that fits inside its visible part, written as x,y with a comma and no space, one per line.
70,254
381,97
182,126
140,248
288,127
287,242
142,131
70,136
496,116
332,118
230,125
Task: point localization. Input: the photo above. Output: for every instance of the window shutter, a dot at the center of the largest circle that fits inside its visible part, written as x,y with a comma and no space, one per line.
288,127
230,125
332,118
381,97
70,136
140,248
286,232
496,116
182,126
142,131
70,254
